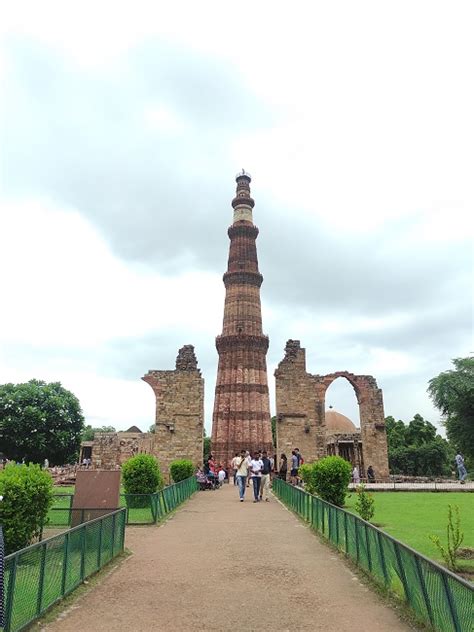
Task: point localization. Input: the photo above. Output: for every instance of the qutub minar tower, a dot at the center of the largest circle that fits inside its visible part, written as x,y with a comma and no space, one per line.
241,418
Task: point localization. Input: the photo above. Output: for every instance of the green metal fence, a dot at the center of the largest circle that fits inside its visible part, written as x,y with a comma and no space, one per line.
43,573
141,508
436,596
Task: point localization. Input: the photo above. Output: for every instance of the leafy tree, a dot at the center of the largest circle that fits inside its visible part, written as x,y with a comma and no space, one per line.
206,446
365,504
416,449
453,393
89,432
40,421
27,492
181,469
152,428
274,430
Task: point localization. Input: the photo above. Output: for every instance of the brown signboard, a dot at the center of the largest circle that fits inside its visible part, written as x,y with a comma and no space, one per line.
97,493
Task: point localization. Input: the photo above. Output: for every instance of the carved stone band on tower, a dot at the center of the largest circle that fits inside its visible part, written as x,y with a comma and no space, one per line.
241,418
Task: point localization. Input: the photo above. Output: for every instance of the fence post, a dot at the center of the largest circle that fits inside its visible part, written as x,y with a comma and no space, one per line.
10,593
367,544
356,525
401,571
452,607
113,533
345,533
39,598
65,561
83,551
421,579
99,550
383,563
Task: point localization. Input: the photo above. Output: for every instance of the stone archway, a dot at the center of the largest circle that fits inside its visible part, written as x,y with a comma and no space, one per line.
371,412
300,404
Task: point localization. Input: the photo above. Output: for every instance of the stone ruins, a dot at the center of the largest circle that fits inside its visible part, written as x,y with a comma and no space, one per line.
303,422
241,417
179,421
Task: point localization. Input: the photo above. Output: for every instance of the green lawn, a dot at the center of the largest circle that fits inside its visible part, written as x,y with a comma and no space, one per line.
412,516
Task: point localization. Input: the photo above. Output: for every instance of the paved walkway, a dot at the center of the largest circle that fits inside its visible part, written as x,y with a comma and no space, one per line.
220,565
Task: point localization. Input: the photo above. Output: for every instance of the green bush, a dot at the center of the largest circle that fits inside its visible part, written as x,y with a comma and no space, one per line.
181,469
306,472
27,492
365,504
328,478
141,475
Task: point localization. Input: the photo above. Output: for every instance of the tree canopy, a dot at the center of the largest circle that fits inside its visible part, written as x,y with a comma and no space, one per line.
452,392
417,449
40,421
88,432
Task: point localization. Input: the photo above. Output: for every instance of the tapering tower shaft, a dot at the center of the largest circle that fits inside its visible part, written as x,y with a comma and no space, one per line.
241,418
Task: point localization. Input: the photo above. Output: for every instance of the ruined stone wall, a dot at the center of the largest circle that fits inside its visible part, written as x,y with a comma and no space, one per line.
179,419
296,403
300,404
112,449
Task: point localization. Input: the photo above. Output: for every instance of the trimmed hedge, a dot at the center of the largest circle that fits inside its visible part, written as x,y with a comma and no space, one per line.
328,478
181,469
27,492
141,475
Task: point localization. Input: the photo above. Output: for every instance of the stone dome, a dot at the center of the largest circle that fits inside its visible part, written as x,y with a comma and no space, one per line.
337,423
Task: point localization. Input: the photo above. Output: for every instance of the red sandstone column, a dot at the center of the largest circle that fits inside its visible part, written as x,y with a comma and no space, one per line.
242,347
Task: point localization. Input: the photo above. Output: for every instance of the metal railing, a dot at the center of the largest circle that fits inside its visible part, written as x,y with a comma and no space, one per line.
141,508
435,595
41,574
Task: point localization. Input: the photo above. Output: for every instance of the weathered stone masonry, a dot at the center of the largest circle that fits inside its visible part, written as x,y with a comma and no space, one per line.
179,420
300,404
241,418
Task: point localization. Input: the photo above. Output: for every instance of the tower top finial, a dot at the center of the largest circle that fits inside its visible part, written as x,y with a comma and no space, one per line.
243,174
242,195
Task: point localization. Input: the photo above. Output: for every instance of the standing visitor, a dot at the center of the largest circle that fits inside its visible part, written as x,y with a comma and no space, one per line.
283,467
221,475
370,474
211,470
265,480
249,460
242,472
294,468
233,466
256,466
355,475
462,472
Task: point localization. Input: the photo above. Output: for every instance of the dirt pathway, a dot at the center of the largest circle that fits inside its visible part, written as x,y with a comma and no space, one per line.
221,565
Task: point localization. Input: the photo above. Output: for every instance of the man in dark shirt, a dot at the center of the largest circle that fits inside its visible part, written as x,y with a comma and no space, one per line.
265,482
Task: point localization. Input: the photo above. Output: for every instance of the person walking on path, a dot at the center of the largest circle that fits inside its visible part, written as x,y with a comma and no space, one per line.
233,466
266,473
283,467
256,467
461,467
249,460
242,472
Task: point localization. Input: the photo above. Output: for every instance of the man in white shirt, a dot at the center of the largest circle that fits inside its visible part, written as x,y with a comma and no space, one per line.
233,466
256,466
242,471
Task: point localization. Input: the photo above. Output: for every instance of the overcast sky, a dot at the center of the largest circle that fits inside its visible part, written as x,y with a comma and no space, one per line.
122,126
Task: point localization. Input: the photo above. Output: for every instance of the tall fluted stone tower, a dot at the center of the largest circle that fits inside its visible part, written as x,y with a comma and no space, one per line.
241,416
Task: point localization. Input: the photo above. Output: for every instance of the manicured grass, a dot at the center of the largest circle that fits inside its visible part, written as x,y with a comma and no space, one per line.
63,489
412,517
